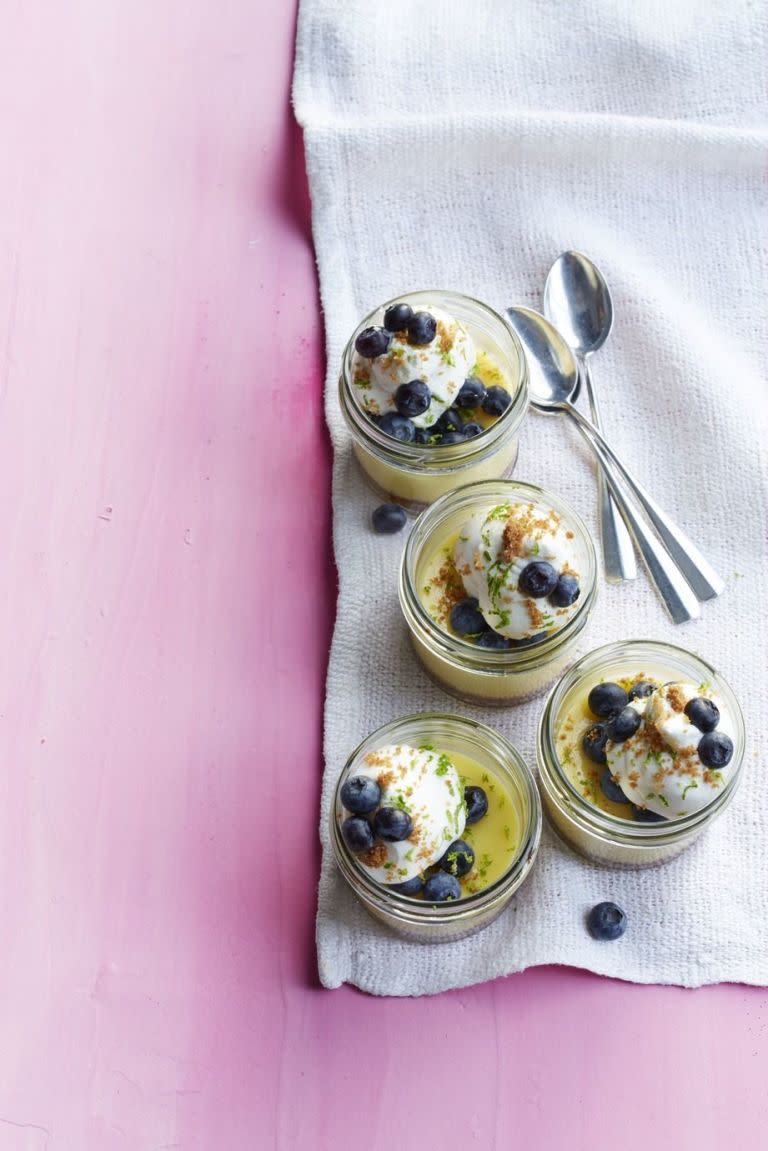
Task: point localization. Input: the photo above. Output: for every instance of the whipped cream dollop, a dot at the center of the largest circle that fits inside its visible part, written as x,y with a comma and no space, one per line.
443,365
492,550
424,783
659,766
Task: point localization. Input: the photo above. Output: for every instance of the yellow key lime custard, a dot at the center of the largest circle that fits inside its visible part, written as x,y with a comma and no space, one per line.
496,583
433,387
640,747
435,824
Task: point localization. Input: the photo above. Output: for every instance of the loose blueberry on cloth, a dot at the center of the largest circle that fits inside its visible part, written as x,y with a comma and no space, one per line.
466,155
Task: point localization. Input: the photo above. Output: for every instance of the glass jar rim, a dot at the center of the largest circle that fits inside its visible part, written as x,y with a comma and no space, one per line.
509,761
459,652
593,819
434,458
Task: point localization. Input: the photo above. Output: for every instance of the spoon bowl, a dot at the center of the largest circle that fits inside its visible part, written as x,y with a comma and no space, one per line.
553,373
578,300
679,571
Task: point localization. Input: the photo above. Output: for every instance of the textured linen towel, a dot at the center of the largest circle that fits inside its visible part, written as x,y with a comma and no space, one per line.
464,146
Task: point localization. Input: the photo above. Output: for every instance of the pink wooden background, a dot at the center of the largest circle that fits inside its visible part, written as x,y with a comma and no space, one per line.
164,476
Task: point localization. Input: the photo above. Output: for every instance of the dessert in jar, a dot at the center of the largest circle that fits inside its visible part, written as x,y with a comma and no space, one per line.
640,747
497,582
435,823
433,387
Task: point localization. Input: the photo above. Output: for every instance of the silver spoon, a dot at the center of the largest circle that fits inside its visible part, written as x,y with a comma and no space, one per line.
678,569
578,303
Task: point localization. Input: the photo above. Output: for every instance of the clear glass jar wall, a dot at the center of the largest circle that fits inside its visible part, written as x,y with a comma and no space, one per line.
415,474
474,674
502,762
598,835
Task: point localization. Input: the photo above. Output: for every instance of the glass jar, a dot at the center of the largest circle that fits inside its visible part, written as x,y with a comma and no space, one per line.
444,922
482,675
416,474
596,834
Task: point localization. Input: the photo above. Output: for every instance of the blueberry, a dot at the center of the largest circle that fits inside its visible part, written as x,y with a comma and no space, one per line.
593,741
357,834
466,617
645,815
472,429
397,317
606,921
496,401
459,859
361,795
642,689
471,393
715,749
452,438
413,399
409,887
392,824
612,790
421,328
398,427
566,592
477,803
623,725
537,579
450,421
442,887
493,641
388,519
372,342
702,713
606,699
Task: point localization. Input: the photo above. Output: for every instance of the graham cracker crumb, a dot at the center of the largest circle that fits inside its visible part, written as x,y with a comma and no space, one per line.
512,540
676,697
376,857
376,759
451,587
534,614
445,337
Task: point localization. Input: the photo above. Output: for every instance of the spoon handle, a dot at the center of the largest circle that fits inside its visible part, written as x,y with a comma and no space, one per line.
699,573
618,552
674,591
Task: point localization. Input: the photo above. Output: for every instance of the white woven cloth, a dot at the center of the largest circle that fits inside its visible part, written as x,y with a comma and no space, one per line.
464,145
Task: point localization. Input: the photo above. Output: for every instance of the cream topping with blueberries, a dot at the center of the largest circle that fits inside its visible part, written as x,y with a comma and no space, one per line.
411,802
415,363
518,562
650,751
676,760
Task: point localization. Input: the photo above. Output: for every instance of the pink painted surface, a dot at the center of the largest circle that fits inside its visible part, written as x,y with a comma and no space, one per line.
162,662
